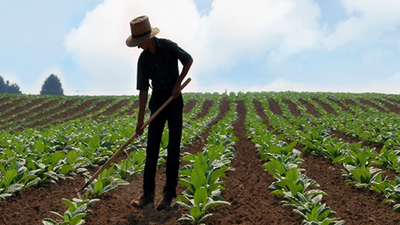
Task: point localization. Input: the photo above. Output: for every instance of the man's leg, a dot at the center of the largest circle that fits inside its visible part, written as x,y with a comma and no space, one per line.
174,142
155,131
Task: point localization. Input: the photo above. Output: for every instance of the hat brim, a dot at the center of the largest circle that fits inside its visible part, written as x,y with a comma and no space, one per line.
134,42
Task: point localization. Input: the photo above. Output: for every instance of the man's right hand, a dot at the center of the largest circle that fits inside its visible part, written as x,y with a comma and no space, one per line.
138,126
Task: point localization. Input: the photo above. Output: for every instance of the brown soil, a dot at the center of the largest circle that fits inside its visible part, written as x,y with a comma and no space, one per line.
292,107
4,99
273,105
367,102
109,111
247,187
355,206
326,107
344,108
246,190
21,109
390,106
189,106
10,105
131,109
310,108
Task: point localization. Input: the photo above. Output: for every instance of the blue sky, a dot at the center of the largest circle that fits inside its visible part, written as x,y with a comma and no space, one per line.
263,45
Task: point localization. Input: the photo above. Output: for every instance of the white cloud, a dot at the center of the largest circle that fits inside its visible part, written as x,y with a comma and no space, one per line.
232,32
368,21
248,31
98,44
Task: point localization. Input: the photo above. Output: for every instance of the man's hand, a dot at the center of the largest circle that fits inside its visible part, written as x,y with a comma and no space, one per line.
138,126
176,91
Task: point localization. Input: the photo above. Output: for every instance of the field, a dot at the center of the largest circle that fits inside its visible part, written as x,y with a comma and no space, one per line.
263,158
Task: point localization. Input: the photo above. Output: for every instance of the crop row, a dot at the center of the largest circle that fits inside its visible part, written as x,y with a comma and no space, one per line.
360,163
86,140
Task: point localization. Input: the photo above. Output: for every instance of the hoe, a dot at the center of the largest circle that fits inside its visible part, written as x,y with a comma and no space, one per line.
116,154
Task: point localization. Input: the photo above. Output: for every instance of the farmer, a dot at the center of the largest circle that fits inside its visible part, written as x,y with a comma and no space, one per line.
159,63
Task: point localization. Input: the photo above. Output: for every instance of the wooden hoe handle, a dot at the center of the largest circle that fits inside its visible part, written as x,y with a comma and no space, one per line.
116,154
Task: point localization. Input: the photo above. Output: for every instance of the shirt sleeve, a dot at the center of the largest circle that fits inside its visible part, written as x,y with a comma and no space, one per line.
142,82
181,54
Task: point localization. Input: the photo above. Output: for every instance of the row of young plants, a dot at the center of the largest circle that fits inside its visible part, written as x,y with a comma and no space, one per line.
8,112
40,116
283,162
35,157
22,99
109,179
66,115
204,170
359,163
10,124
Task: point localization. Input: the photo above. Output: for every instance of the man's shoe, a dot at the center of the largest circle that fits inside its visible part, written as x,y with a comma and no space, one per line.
165,203
143,201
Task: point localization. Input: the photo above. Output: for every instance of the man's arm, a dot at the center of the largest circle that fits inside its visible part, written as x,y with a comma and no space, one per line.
176,91
142,107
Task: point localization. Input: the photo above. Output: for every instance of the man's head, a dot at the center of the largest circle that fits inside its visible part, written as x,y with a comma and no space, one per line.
141,31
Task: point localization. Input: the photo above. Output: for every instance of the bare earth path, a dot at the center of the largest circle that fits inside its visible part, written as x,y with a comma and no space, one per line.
247,187
355,206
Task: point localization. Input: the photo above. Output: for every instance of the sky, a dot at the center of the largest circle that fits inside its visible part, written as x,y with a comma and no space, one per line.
237,46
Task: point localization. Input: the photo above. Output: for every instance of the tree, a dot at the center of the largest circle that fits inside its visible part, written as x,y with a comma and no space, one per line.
52,85
2,85
8,88
13,88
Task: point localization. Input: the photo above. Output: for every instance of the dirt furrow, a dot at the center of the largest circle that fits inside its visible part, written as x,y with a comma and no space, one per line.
247,187
355,206
122,213
35,204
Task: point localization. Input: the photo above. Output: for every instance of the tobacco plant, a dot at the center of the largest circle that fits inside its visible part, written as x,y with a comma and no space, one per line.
76,211
106,181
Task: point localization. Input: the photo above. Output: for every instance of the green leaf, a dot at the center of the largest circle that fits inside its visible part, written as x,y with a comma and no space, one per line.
197,177
216,174
98,187
58,214
292,175
70,205
15,187
48,221
8,177
66,169
5,195
195,212
57,156
200,197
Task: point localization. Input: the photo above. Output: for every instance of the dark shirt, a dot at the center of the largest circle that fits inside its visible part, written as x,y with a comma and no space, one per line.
161,67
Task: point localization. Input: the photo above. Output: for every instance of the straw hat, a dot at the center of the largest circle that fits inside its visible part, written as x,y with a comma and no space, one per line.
141,31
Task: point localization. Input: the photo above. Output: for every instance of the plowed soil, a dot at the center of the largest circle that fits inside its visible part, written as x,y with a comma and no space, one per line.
246,188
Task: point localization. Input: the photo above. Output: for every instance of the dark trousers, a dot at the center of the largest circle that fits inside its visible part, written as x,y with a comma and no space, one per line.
173,114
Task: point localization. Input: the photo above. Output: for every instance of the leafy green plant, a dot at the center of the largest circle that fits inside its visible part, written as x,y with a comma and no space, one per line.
389,158
392,194
131,166
363,177
198,206
106,181
320,216
333,149
202,173
77,210
294,182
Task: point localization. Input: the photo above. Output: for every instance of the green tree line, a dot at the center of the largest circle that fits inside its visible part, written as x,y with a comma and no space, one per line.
52,85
